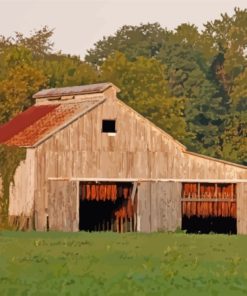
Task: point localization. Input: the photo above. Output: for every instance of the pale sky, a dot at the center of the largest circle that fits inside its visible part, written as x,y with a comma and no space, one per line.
79,24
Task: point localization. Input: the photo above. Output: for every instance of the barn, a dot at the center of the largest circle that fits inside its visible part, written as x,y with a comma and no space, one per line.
93,163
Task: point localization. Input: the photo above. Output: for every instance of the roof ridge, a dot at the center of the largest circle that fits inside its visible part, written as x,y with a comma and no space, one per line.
74,90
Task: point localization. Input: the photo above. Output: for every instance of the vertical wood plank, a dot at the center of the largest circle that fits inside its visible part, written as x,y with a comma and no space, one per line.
242,208
143,209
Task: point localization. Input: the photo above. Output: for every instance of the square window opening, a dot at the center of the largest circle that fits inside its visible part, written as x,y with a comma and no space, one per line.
108,126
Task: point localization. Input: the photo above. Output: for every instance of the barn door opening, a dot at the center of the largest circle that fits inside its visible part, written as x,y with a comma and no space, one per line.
208,207
107,206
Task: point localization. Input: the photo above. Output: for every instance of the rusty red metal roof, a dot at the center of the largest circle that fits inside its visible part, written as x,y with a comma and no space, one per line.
73,90
37,122
23,120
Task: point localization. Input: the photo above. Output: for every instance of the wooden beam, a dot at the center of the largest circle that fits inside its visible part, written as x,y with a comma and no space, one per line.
207,200
83,179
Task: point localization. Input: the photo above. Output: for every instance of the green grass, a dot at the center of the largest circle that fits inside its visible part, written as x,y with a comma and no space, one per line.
122,264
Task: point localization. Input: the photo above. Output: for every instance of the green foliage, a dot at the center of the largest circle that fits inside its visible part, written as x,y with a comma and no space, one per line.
38,43
234,138
10,158
16,90
239,92
62,70
134,41
113,264
228,37
188,72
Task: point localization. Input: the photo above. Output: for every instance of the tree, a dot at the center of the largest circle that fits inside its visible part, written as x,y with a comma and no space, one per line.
63,70
39,43
17,88
234,137
239,93
188,74
134,41
229,37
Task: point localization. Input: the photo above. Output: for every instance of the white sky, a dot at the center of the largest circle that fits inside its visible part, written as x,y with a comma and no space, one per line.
79,24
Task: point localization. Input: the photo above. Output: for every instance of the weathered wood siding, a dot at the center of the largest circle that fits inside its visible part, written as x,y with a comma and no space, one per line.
166,214
21,195
138,150
159,206
63,206
242,208
199,167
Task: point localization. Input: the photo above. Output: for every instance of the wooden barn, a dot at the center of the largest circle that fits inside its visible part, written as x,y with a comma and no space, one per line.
93,163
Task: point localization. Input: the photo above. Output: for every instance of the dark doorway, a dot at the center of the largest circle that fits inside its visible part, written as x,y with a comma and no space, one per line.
106,206
96,215
194,224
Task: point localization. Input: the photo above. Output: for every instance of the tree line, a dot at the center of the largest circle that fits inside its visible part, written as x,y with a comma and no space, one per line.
191,83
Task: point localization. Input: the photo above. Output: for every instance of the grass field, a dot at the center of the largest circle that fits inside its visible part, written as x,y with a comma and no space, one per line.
122,264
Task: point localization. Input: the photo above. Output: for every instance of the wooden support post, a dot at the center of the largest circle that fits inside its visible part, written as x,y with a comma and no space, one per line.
133,200
121,224
133,193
